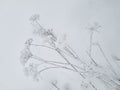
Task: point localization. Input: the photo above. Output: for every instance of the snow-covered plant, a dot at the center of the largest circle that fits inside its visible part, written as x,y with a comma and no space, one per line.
88,72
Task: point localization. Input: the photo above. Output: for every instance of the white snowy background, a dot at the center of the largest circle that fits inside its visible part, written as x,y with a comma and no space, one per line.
64,16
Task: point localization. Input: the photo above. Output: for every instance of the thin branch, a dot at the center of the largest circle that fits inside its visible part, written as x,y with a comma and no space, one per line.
54,62
43,46
59,51
92,58
70,51
40,25
93,86
66,64
47,68
45,61
73,53
91,41
55,86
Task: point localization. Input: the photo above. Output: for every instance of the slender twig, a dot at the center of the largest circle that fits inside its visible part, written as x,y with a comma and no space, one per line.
91,41
107,60
58,66
67,64
73,53
42,46
54,62
40,25
55,86
70,51
59,51
54,49
47,62
92,58
93,86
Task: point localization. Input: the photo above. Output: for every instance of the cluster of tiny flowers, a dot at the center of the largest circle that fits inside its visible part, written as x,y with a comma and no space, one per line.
47,34
25,56
34,17
32,70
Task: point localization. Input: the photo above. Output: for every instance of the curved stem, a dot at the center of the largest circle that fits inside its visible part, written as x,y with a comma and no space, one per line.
42,46
47,68
55,62
92,58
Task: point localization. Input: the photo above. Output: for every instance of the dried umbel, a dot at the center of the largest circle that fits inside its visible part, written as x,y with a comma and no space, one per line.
32,70
35,17
25,56
29,42
46,34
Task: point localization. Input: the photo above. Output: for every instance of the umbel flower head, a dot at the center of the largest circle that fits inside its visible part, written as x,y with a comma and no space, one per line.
94,27
49,36
46,34
25,56
32,70
28,42
34,17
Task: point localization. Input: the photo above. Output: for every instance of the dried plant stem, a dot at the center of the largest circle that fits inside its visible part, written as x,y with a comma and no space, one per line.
62,52
55,62
93,86
92,59
55,86
107,60
66,64
43,46
47,68
40,27
58,66
74,54
59,51
91,41
90,48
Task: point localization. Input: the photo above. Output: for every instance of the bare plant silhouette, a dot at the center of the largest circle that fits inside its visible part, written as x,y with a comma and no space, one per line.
87,72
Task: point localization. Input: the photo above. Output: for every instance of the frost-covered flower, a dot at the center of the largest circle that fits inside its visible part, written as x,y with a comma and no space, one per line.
25,56
34,17
49,32
32,70
50,37
94,27
29,42
46,34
